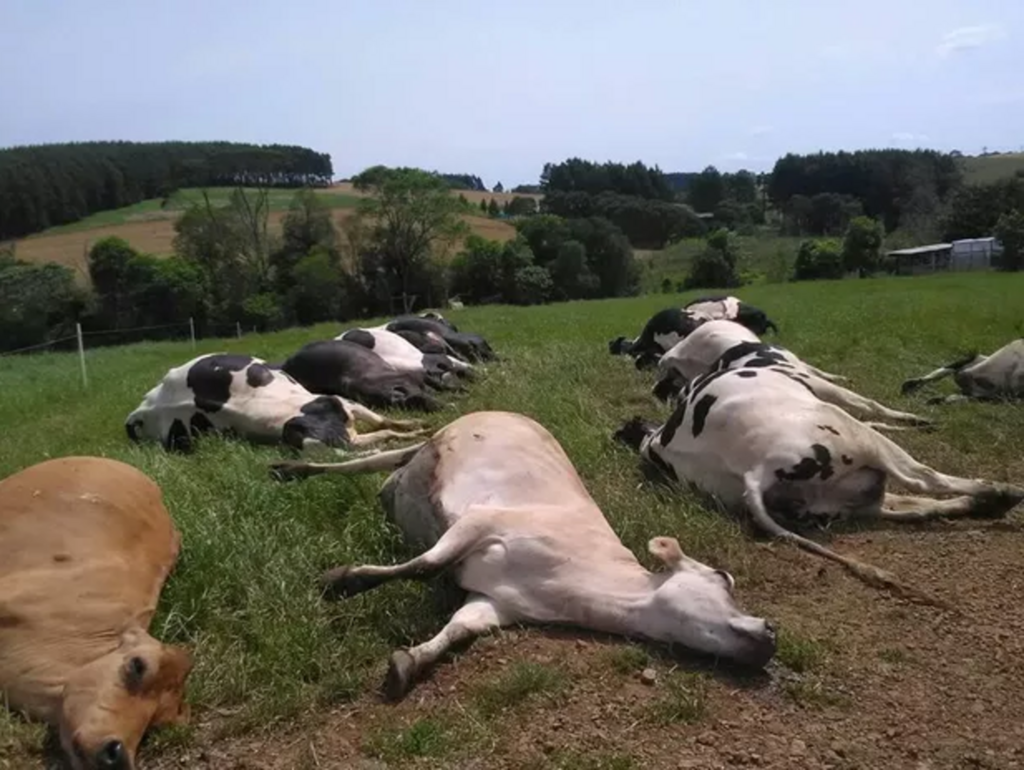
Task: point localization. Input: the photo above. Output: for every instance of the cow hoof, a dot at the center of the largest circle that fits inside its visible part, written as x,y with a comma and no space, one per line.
909,386
996,503
342,582
401,670
287,470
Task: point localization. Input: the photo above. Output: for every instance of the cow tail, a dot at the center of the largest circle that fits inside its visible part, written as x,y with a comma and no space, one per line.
873,576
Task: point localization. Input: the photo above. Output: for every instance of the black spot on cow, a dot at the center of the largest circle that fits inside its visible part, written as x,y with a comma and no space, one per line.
808,468
177,438
657,461
761,355
847,460
360,337
323,419
210,380
829,428
200,424
668,430
259,376
746,374
700,413
797,380
698,384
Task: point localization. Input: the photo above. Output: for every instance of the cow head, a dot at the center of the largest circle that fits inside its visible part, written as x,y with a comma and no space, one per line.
435,316
694,607
109,703
620,346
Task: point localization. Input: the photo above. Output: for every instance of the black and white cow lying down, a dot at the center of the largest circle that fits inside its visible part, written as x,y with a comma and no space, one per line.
343,368
438,368
667,327
995,377
760,442
717,345
242,395
469,347
493,497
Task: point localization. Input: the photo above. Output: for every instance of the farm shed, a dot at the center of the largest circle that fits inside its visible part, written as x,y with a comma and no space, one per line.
922,259
974,253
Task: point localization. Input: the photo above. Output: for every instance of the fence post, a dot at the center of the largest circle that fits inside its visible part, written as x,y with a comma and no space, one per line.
238,329
192,330
81,355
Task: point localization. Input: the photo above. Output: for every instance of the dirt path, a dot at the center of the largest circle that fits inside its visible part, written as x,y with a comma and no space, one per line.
885,684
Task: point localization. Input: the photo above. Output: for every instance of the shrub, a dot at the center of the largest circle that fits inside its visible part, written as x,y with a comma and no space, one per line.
818,259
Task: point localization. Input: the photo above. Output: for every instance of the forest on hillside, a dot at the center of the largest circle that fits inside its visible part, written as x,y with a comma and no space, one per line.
53,184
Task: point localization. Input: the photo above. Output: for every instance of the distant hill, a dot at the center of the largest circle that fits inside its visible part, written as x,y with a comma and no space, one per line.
979,169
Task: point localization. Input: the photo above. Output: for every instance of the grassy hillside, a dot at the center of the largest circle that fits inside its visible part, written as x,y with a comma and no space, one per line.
991,168
149,227
861,680
767,254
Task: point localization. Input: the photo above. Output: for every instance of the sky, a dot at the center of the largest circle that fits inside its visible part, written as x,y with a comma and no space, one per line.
499,88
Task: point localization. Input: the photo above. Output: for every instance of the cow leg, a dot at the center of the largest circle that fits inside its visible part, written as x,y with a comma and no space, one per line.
468,533
954,398
854,402
360,412
476,617
377,436
827,376
909,510
943,371
989,498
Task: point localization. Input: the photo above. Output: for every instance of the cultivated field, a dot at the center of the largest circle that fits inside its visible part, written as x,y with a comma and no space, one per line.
284,680
982,169
150,228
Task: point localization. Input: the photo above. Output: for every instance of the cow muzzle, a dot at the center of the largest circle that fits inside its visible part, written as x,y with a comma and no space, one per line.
759,640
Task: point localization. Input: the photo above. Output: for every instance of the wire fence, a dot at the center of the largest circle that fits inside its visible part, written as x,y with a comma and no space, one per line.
135,334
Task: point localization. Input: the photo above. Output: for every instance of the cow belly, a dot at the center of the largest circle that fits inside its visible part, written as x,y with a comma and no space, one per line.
522,575
408,501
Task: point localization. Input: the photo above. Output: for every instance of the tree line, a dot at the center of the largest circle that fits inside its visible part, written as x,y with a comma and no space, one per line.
53,184
635,198
399,252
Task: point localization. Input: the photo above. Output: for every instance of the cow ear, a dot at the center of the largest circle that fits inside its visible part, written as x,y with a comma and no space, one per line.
667,550
175,666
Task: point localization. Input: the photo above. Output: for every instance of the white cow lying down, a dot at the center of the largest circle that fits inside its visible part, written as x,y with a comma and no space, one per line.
983,378
761,443
724,344
493,496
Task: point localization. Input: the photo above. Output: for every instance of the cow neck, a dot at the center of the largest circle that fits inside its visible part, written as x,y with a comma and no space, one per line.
615,603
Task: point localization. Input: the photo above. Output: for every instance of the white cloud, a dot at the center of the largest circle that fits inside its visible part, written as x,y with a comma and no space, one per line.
965,38
906,137
761,130
736,156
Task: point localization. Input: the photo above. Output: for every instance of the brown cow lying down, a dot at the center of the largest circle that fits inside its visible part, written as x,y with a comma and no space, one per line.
493,497
85,547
